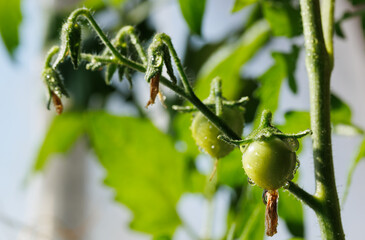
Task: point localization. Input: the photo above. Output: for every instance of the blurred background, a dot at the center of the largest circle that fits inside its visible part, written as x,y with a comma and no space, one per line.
70,198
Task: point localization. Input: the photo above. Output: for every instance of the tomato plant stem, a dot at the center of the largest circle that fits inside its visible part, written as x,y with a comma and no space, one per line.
186,92
304,196
319,67
328,7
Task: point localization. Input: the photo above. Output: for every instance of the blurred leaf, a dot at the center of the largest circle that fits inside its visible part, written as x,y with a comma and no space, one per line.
61,135
116,3
254,228
291,64
230,171
248,215
10,19
359,156
249,87
186,143
143,167
340,111
163,237
227,62
240,4
341,117
254,15
195,57
271,81
296,121
93,4
357,2
348,15
284,19
291,211
193,12
363,23
338,29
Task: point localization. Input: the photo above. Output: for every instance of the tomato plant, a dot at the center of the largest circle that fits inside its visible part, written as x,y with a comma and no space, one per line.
163,166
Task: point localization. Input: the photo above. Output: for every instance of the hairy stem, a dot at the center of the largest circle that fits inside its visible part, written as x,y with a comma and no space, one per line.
304,196
319,67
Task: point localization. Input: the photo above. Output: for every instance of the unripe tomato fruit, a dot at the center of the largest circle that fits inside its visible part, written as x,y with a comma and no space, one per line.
270,163
205,133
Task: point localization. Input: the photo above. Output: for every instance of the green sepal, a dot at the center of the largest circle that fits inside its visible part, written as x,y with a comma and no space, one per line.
267,131
155,59
70,43
109,72
74,44
54,81
168,64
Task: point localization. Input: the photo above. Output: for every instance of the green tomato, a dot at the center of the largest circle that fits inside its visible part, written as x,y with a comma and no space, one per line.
205,133
270,164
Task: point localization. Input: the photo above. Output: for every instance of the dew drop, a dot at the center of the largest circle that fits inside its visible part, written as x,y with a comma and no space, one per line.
212,147
249,180
293,144
286,185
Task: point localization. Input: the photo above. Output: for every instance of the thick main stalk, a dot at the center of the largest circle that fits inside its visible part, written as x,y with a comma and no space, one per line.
319,66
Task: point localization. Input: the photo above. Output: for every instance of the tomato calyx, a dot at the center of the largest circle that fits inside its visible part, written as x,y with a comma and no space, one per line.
267,131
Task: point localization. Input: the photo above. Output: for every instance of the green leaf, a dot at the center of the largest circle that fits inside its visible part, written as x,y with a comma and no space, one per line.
227,62
93,4
291,63
143,167
296,121
62,134
116,3
348,15
193,12
230,171
248,215
10,19
284,19
254,228
357,2
271,80
181,125
359,156
240,4
340,111
291,210
341,117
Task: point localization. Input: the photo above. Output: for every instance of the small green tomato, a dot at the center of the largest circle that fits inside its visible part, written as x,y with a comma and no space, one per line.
270,163
205,133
